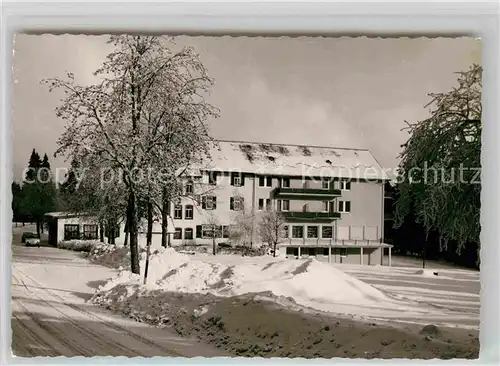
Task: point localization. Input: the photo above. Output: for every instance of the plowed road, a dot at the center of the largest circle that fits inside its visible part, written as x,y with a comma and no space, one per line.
50,315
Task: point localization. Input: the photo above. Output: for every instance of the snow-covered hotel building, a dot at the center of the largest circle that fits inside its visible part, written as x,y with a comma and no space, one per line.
332,199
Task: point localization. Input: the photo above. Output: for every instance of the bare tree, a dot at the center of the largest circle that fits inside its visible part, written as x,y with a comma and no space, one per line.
242,227
271,228
212,221
147,114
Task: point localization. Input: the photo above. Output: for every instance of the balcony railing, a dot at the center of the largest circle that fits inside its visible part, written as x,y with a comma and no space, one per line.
310,216
307,193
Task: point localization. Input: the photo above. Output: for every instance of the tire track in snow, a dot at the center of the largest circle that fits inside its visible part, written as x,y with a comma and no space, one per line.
113,326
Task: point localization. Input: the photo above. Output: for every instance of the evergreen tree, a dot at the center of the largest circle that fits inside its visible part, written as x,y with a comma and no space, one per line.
38,191
34,164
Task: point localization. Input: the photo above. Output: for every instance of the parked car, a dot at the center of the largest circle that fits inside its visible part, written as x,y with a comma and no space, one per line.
28,235
33,242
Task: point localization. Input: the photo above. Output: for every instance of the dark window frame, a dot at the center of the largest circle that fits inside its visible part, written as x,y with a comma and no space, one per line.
323,232
178,233
71,229
189,236
178,212
312,227
189,187
285,207
90,232
189,208
297,231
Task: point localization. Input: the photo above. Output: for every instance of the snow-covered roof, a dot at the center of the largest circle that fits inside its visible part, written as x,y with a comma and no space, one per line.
294,160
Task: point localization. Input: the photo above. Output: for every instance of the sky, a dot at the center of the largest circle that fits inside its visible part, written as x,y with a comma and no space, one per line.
340,92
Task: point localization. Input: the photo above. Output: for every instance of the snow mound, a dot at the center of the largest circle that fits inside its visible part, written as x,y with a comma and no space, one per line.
309,283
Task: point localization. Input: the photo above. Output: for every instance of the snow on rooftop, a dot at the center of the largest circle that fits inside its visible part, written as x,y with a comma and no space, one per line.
294,160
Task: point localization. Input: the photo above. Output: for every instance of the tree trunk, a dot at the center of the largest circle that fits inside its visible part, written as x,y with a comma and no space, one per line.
424,249
214,248
274,250
164,219
101,233
133,229
38,229
125,242
149,239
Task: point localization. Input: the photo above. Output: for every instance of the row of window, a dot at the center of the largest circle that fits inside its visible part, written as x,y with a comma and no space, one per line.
72,232
344,252
238,180
237,203
222,231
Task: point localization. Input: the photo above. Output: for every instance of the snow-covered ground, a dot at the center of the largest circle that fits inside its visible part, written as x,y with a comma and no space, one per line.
51,315
375,292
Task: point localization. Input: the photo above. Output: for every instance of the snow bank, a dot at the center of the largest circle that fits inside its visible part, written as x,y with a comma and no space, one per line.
309,283
80,245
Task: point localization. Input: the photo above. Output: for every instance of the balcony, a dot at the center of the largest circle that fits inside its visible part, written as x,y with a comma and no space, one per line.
310,216
319,194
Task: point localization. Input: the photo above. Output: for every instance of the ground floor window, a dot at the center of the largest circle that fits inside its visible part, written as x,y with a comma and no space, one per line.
188,233
292,251
209,230
90,232
297,232
178,233
225,231
312,231
71,231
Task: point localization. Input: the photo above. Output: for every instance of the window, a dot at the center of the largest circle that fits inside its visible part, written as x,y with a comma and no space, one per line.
269,181
268,204
278,205
90,232
285,233
345,185
209,230
262,181
212,178
188,233
297,231
343,252
312,231
286,205
178,233
261,204
236,203
189,212
189,187
326,184
209,202
71,232
236,179
344,206
326,205
178,212
225,231
285,182
327,232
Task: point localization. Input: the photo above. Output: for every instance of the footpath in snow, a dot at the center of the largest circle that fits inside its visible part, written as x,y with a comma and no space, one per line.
310,283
